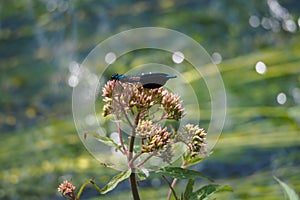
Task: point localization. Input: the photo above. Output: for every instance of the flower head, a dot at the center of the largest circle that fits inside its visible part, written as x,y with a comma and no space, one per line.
195,138
108,89
145,128
66,188
122,97
144,98
172,105
156,137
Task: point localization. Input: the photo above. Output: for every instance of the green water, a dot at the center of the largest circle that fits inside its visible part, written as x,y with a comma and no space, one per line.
40,146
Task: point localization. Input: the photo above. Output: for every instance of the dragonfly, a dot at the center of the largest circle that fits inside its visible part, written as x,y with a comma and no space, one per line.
150,81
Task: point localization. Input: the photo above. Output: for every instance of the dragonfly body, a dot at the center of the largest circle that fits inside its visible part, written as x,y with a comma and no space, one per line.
150,81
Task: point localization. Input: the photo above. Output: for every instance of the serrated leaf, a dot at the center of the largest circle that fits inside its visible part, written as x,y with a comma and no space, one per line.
180,173
188,189
105,140
292,195
206,191
115,181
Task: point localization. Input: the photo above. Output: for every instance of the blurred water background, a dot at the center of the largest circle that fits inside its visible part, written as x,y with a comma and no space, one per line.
256,45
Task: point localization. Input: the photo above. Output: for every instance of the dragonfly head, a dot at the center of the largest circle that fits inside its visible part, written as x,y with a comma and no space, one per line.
115,76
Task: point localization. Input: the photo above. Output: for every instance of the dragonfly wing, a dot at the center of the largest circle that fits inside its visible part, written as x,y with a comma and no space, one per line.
154,80
131,78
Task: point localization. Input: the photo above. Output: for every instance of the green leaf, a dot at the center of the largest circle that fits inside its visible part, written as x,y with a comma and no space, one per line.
188,189
206,191
180,173
141,175
105,140
115,181
292,195
182,197
193,161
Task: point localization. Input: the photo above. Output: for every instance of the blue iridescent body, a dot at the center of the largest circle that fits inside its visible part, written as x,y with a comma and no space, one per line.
150,81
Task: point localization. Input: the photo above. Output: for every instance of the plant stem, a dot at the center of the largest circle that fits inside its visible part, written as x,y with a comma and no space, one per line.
172,186
81,189
144,161
121,139
134,189
134,158
132,178
183,165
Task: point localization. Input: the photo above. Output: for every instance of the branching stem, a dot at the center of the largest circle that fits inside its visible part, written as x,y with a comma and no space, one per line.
121,139
132,178
144,161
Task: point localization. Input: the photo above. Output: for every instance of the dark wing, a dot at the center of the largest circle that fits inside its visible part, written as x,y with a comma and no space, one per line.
131,78
155,80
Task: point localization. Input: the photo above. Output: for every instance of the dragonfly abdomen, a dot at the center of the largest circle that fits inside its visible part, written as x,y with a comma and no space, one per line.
150,81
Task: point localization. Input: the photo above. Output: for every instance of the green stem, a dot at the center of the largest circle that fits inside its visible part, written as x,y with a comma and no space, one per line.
81,189
95,186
